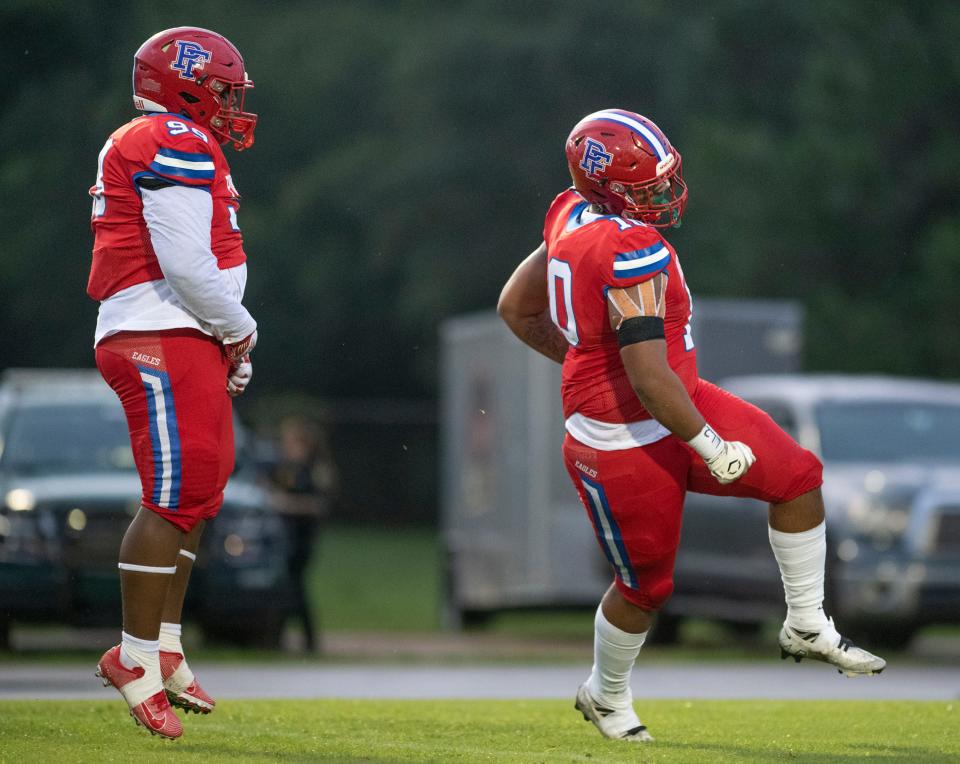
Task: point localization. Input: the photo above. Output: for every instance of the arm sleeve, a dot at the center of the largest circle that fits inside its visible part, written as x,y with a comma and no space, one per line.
179,219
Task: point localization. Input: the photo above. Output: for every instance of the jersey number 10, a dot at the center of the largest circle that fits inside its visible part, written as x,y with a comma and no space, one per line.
560,288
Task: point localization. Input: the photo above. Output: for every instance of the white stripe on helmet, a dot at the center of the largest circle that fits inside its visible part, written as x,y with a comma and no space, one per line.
633,124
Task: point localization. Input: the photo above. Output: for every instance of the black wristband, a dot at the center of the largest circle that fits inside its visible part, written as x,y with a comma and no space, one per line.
640,329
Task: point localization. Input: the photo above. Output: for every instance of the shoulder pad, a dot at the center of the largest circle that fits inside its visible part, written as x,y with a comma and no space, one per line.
172,148
560,210
564,196
639,254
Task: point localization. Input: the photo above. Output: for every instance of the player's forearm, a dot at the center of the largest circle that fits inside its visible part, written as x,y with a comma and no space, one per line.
665,397
226,317
524,305
540,333
668,402
661,391
178,220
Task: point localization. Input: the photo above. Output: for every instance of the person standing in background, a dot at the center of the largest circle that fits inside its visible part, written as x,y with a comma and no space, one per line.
305,479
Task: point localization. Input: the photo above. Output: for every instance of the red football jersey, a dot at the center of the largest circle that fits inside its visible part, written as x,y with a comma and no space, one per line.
587,254
171,148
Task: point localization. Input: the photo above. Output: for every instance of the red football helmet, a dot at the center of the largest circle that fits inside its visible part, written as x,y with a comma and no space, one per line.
624,163
199,74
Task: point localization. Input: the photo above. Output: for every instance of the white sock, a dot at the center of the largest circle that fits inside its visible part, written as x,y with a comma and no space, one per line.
139,652
801,557
614,653
170,637
170,642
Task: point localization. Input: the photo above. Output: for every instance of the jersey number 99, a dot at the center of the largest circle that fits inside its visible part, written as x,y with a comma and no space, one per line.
99,203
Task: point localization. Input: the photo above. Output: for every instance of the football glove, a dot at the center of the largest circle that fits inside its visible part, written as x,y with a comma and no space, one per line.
239,377
727,460
237,350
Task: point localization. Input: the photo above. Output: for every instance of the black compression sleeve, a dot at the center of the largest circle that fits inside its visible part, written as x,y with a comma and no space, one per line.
152,182
640,329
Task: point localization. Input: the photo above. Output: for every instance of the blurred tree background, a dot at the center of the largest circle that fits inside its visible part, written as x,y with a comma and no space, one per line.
406,153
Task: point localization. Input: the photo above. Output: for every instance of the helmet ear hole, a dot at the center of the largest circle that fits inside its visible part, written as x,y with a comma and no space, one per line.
189,97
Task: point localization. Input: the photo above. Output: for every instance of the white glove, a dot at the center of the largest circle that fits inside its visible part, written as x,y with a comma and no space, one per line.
727,460
239,377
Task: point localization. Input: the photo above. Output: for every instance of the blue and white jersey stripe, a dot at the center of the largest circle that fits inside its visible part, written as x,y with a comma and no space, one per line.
645,132
641,262
608,532
183,164
575,218
582,215
165,439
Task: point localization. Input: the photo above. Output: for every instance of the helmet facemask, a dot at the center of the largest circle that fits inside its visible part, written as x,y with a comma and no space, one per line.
231,124
658,202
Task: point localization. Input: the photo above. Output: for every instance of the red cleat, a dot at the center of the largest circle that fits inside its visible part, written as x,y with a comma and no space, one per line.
148,709
183,690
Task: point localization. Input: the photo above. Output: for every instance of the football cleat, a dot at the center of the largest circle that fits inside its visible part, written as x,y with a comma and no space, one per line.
181,686
615,723
150,709
828,646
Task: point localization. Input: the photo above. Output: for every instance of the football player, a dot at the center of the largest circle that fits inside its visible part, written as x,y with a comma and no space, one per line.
172,339
604,295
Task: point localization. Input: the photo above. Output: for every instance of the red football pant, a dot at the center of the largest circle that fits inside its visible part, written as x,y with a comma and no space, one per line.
634,497
172,385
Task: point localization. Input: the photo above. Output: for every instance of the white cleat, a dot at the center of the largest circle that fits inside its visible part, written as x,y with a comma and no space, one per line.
616,723
828,646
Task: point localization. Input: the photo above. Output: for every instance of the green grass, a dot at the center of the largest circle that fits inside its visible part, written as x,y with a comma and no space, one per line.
488,731
366,579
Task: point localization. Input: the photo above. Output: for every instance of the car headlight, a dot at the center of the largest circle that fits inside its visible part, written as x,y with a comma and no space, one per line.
233,545
880,519
20,500
246,538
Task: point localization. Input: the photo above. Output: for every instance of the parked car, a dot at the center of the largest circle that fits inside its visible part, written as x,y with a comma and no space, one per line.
68,489
891,459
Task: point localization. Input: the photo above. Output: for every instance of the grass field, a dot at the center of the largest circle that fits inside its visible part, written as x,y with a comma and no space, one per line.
373,579
487,731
